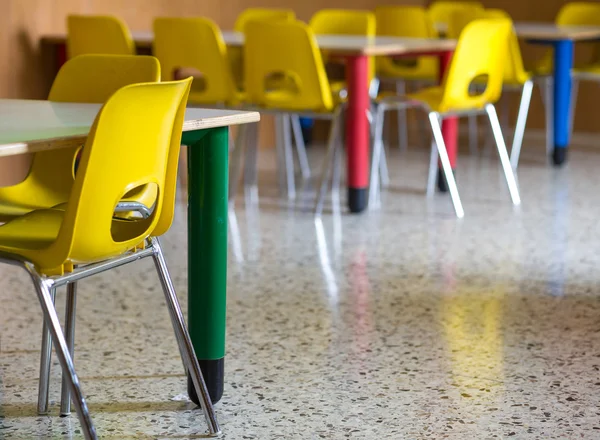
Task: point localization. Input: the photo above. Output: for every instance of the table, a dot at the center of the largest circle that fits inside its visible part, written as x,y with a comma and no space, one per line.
28,126
562,39
356,50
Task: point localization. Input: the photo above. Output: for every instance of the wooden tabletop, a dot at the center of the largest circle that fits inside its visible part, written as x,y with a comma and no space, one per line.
336,44
28,126
546,31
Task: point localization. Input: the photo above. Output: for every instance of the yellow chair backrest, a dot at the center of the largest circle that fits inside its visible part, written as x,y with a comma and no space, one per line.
460,18
86,78
514,72
410,22
579,14
195,43
440,11
98,34
263,14
134,141
481,52
345,22
283,67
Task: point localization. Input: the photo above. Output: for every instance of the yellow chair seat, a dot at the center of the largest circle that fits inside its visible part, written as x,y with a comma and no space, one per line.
431,97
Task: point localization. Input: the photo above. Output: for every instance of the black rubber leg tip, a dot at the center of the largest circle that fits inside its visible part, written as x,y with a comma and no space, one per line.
441,181
559,156
357,199
214,376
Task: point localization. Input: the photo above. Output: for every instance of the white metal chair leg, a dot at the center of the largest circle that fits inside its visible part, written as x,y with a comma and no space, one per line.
327,164
508,172
473,134
515,151
300,146
43,287
71,302
251,164
384,176
402,118
336,180
374,184
45,364
441,147
183,338
433,170
574,92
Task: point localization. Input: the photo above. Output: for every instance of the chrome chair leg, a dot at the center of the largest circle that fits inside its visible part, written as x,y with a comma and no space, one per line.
45,364
336,180
300,146
65,400
183,338
43,288
433,170
384,176
374,184
237,155
508,172
547,84
288,157
434,120
327,164
473,134
402,118
574,92
280,149
521,123
250,164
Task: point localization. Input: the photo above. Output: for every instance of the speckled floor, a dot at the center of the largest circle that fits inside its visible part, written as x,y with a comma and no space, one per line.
400,323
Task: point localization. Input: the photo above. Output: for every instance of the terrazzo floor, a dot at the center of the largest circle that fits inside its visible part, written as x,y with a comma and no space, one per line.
402,323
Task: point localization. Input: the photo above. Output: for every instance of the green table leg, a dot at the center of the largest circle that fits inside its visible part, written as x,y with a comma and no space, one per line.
208,152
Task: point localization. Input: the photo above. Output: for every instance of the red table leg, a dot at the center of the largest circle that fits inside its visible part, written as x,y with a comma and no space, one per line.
449,125
357,132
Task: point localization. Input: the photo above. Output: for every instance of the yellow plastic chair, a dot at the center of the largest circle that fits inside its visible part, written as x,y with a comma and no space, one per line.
141,126
410,22
98,34
196,43
251,14
85,78
346,22
289,51
440,12
489,40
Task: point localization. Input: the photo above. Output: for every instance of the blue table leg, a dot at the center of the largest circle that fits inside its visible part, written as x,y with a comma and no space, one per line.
563,63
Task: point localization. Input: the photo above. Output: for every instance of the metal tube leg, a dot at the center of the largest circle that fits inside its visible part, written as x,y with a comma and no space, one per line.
508,172
327,164
574,92
445,160
45,364
402,118
62,351
336,180
473,134
548,93
65,399
183,338
251,164
236,162
521,123
280,148
374,185
300,146
288,158
433,170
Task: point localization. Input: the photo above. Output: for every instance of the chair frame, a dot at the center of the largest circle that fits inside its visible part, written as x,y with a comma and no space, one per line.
64,343
438,149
